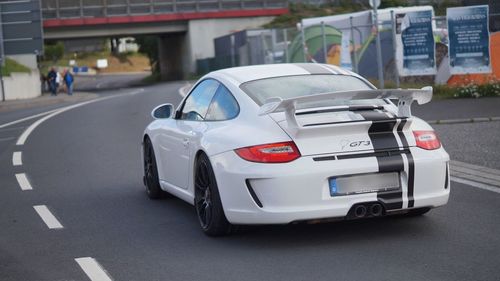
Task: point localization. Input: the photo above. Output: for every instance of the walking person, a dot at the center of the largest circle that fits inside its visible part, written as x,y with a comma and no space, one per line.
59,80
68,80
51,79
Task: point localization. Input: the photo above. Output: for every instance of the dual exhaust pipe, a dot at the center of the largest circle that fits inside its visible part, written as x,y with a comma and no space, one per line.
368,210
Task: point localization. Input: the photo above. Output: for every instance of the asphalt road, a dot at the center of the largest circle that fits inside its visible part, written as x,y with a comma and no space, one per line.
84,165
108,81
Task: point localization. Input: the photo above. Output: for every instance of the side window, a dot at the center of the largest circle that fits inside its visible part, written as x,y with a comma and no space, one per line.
196,105
223,106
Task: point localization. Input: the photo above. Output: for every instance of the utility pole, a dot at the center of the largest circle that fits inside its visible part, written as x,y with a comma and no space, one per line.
375,4
2,56
394,46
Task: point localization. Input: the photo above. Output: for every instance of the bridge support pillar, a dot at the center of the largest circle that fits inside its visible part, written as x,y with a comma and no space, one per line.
171,48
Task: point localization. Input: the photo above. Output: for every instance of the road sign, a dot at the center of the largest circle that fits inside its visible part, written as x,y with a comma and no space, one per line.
21,27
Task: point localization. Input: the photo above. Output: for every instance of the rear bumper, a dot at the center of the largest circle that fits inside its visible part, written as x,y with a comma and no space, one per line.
254,193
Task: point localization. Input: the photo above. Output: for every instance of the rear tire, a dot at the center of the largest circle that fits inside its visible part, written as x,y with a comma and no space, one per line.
151,179
207,200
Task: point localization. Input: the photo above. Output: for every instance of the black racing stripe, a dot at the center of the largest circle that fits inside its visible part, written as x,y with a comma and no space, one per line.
379,126
393,163
411,180
372,115
382,138
381,135
313,68
446,178
324,158
330,123
401,135
391,199
339,109
387,153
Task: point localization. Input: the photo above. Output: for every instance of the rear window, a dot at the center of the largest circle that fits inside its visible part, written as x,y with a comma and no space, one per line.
304,85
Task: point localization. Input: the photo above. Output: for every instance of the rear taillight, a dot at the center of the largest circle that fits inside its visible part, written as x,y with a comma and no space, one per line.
280,152
427,140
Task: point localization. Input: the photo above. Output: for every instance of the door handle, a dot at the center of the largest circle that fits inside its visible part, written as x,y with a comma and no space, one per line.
185,142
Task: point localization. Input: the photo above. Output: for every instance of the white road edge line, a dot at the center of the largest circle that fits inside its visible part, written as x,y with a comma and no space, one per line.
24,136
182,89
476,184
93,269
23,182
17,158
48,218
26,119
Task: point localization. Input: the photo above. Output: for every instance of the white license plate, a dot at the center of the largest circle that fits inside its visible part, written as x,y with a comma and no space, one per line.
364,183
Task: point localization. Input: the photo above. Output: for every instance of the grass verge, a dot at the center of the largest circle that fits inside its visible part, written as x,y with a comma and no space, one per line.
13,66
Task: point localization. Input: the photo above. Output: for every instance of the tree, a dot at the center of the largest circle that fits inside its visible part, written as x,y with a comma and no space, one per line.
148,45
54,52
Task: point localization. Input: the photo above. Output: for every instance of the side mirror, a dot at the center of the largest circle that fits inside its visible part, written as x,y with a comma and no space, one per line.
163,111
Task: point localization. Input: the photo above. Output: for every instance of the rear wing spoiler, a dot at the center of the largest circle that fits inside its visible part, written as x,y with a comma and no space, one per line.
405,99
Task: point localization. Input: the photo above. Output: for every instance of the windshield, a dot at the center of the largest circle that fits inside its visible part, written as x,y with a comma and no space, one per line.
305,85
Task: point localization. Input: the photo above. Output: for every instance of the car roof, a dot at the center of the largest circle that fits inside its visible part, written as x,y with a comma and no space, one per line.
244,74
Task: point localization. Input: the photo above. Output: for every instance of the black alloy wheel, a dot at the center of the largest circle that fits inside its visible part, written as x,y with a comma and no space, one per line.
207,200
151,179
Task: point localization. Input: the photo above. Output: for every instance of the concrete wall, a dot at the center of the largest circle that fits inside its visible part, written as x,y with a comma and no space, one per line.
201,35
28,60
22,85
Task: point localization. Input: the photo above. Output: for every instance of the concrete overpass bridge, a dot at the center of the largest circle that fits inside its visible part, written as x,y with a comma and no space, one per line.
186,27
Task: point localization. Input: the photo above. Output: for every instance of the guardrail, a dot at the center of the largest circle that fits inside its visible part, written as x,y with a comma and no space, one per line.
59,9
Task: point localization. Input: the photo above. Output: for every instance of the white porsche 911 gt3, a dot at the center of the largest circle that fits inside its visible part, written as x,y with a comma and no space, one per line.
275,144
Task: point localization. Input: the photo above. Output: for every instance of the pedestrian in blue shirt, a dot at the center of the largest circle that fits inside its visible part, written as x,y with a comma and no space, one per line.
68,80
51,78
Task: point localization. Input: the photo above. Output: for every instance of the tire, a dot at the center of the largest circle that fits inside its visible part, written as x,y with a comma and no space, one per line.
207,201
151,180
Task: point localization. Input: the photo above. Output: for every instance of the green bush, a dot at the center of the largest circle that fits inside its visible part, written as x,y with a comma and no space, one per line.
54,52
491,89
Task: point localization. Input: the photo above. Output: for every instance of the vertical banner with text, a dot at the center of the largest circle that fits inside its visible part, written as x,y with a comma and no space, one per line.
415,53
469,39
345,51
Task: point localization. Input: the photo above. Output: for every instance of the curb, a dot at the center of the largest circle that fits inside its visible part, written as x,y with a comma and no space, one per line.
44,100
464,120
184,90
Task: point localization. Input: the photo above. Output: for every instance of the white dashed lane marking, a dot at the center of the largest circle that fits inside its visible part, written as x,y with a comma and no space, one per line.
48,218
93,269
23,181
17,158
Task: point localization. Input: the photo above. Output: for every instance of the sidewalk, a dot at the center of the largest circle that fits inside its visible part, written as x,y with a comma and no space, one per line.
44,100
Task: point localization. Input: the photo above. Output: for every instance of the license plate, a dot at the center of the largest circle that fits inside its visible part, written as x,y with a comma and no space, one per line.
364,183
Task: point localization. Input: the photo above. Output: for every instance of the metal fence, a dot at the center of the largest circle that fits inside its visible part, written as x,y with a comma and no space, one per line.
249,47
54,9
265,46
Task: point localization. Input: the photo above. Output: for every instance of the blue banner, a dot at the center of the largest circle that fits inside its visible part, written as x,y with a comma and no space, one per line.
415,43
469,39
